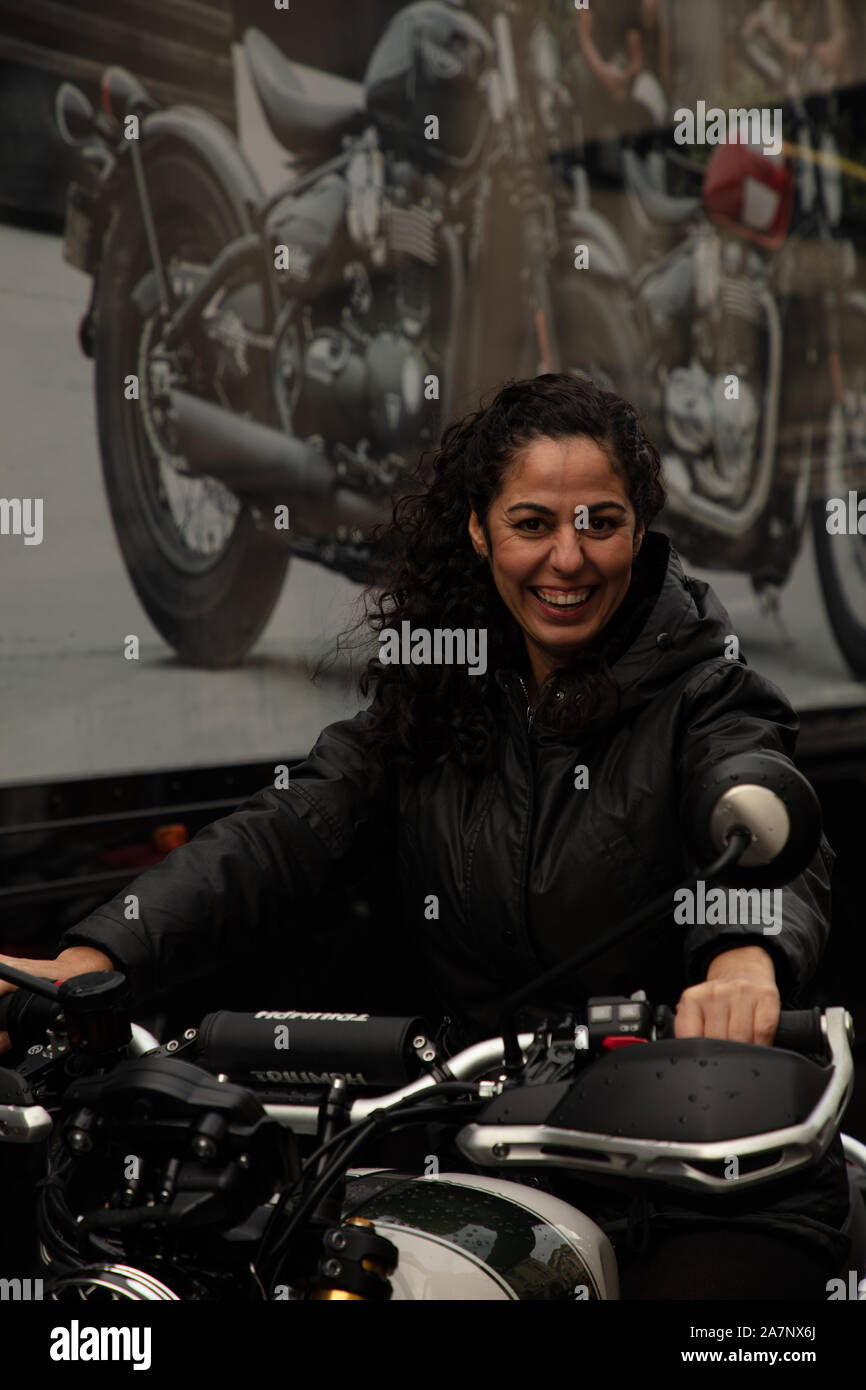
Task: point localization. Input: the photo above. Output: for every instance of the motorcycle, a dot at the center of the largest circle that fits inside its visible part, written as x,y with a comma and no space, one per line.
223,1164
267,364
732,319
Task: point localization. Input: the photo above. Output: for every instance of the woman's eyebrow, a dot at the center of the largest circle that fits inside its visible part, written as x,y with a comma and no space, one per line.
537,507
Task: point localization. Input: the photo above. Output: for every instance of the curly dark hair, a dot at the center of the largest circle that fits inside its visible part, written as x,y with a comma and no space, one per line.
430,573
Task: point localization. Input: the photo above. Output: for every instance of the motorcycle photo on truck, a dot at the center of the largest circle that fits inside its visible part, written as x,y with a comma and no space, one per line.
268,366
285,353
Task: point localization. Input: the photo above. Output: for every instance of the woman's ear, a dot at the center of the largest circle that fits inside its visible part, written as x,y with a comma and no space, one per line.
638,539
476,535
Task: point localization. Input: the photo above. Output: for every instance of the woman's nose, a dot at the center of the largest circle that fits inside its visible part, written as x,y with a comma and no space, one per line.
567,552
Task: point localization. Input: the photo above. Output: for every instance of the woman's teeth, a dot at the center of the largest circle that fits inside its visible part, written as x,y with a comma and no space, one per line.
573,599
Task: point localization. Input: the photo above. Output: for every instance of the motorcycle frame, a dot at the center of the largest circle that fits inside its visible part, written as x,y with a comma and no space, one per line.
246,174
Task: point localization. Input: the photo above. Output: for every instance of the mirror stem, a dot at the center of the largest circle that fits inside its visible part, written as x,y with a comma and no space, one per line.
738,840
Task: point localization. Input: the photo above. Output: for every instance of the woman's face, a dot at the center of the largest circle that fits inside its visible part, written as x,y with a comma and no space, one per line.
562,539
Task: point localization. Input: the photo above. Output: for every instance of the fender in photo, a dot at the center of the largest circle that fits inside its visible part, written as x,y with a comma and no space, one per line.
607,253
214,144
599,335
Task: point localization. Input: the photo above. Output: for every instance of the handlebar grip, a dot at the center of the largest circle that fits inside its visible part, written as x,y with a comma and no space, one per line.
800,1031
291,1047
26,1016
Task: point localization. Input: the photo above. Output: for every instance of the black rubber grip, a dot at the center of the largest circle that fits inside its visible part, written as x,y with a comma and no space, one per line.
26,1016
800,1031
295,1047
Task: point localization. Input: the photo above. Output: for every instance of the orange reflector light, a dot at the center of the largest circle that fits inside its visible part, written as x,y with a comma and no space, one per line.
167,837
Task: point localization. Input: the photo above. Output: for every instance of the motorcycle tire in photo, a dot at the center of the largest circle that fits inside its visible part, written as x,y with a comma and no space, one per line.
840,557
205,575
598,339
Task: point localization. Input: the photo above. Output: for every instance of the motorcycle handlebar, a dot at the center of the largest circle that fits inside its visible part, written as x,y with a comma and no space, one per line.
800,1030
377,1050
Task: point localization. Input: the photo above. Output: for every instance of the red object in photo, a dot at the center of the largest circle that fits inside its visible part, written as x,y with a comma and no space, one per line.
168,837
621,1040
750,192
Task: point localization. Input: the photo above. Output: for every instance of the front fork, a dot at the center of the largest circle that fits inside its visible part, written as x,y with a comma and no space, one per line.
149,225
535,233
832,308
100,195
246,250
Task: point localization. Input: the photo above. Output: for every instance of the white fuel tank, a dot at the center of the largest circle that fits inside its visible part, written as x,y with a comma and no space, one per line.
462,1236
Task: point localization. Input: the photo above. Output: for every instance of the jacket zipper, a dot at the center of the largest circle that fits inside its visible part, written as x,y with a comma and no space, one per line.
530,712
524,849
524,858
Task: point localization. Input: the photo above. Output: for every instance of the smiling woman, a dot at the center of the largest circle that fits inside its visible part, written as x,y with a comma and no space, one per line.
554,484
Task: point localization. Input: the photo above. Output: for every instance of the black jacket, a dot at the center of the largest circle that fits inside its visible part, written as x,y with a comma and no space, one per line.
499,880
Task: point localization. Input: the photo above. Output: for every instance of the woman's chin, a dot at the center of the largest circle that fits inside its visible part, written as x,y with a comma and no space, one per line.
560,647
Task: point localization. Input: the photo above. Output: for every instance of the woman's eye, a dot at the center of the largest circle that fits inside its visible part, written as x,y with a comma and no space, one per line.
533,525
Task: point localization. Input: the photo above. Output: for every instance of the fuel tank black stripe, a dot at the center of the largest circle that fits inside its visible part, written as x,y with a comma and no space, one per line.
534,1258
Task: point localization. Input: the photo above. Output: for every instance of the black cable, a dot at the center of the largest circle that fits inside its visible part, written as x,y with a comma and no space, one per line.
343,1138
738,840
57,1223
376,1120
441,1088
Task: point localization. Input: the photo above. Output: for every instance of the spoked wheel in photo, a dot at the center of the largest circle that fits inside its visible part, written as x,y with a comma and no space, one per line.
108,1284
206,576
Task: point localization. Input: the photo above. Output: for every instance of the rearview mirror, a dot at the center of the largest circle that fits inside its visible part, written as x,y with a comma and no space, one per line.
765,795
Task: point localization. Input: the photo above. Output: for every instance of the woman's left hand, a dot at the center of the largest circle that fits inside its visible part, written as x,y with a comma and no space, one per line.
738,1000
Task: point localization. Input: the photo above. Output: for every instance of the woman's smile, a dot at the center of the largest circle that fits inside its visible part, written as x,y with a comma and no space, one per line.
564,605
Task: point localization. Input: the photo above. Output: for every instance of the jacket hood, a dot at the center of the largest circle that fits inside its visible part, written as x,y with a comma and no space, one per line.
684,627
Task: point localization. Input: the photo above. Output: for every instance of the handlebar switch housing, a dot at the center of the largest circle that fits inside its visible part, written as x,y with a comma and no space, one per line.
615,1015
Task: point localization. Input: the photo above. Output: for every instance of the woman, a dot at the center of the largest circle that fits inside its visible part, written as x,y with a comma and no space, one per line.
534,802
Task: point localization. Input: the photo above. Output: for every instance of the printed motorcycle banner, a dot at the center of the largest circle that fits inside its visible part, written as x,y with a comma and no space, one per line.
254,258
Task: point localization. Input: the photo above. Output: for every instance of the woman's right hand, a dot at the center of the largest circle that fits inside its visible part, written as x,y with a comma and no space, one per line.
75,960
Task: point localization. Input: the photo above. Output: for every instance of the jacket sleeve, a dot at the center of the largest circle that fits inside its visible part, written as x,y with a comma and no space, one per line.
735,710
236,880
